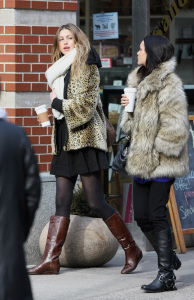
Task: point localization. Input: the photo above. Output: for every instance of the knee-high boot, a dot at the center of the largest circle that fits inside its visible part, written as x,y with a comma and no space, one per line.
176,263
165,280
55,239
132,252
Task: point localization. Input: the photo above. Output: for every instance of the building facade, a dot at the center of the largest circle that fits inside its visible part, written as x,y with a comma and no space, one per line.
27,30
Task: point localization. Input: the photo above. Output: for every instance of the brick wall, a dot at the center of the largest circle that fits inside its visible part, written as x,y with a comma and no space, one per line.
24,57
40,137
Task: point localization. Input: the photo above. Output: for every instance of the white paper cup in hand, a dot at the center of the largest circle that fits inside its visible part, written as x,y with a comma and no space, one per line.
130,93
42,114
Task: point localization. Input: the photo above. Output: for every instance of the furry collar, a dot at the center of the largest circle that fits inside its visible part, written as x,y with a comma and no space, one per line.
154,81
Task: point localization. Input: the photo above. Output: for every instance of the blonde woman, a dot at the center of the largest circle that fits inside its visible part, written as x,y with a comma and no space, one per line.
78,144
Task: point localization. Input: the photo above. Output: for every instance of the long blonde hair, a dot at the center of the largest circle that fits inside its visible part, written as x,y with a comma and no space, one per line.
82,46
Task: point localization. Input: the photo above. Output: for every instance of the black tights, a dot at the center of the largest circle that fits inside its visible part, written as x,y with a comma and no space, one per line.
92,186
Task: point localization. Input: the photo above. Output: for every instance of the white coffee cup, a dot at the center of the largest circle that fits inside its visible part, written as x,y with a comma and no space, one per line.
130,93
42,114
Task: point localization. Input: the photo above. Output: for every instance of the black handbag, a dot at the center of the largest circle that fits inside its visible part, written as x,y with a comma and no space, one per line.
120,160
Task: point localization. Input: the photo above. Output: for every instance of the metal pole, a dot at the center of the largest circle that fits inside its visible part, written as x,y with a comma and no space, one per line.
140,25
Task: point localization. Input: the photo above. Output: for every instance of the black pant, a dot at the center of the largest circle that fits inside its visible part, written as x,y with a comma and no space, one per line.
150,205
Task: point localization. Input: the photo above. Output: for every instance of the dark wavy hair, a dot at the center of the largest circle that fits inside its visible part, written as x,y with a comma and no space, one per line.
158,49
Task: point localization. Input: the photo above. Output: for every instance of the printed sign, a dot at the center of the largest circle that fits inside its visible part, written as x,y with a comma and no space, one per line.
184,189
105,26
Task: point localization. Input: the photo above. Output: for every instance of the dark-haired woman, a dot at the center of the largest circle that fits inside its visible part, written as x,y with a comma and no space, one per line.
79,145
159,131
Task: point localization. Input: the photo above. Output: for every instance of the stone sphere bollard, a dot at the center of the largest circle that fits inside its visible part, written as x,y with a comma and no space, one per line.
89,243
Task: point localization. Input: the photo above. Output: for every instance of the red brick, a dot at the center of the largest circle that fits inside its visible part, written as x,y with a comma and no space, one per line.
30,121
23,112
45,139
46,158
18,29
30,58
39,4
17,87
69,6
46,39
31,39
1,48
39,68
39,87
9,3
49,130
52,30
11,39
17,4
39,130
1,68
2,86
40,149
45,58
17,68
42,78
31,77
34,112
39,49
49,48
39,29
34,139
1,4
18,48
11,77
10,111
42,167
55,5
28,130
23,68
10,58
1,29
49,149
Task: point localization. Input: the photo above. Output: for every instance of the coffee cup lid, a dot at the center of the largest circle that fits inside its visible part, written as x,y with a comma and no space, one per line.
40,107
130,89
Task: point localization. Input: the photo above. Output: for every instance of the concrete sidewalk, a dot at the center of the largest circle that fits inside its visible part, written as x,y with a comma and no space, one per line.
107,283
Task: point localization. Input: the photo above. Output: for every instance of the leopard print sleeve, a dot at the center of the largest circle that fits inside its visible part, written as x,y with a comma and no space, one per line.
82,97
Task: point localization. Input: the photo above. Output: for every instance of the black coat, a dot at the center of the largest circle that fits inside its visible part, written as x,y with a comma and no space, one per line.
19,199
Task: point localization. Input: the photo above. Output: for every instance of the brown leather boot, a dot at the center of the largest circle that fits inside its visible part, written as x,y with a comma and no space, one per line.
132,252
55,239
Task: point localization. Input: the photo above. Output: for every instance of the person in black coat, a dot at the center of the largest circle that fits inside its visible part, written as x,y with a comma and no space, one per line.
19,199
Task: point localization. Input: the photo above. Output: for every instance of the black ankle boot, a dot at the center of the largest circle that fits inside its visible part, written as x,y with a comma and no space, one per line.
165,280
160,284
176,263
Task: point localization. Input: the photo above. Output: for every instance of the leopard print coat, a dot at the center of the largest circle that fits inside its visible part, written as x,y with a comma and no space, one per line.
83,113
159,126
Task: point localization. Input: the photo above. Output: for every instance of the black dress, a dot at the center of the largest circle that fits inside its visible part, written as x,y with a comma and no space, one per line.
74,162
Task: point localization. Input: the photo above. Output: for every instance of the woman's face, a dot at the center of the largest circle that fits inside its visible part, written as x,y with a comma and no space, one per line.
141,55
66,41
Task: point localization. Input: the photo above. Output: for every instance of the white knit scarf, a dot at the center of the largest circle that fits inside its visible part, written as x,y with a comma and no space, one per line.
55,76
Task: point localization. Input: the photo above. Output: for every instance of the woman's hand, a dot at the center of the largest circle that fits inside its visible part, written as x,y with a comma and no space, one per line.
51,118
124,100
53,95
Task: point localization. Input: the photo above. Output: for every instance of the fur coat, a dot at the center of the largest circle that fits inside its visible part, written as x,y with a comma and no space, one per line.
83,113
159,126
